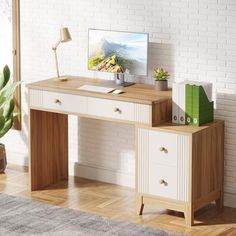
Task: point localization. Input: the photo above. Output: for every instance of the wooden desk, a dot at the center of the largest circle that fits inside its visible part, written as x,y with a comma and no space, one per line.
50,102
178,167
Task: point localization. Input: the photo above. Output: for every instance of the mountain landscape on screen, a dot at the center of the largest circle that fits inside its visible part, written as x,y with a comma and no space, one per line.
117,52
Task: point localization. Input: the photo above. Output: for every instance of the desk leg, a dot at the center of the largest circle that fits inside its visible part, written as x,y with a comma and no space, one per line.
48,148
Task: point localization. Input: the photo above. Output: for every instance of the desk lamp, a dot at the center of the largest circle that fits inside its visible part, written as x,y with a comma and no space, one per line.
64,37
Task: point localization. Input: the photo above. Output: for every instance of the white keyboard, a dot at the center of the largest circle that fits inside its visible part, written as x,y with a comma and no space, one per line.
97,89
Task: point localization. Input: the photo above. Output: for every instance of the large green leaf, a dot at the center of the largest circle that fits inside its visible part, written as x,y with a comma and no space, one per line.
8,108
2,122
9,90
7,126
4,76
2,101
1,111
1,80
7,75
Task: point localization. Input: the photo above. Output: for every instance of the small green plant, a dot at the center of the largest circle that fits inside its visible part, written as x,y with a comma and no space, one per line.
161,74
7,104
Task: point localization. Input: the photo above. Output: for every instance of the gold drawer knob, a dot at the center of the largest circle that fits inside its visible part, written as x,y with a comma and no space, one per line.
116,109
57,101
162,181
163,149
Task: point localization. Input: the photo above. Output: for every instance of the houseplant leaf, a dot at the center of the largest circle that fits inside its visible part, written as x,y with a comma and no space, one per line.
9,90
7,126
2,122
4,76
7,75
2,101
8,108
1,111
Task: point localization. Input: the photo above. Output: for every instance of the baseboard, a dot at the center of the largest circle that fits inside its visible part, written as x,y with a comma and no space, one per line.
17,158
230,200
101,174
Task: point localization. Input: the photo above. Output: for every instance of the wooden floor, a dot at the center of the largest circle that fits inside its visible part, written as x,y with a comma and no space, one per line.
118,203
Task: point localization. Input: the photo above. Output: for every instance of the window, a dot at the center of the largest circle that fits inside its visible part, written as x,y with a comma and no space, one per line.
10,46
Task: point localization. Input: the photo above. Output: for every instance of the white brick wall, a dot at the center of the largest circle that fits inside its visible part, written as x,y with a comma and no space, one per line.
193,39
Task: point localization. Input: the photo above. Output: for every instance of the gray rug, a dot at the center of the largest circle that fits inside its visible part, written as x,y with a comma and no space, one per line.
19,216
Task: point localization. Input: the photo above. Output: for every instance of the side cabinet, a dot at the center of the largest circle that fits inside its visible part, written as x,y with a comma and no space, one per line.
180,167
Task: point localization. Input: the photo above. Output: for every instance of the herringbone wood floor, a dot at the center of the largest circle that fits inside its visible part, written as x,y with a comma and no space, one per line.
118,203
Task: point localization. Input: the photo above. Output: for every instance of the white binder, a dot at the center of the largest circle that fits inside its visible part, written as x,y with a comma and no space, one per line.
175,102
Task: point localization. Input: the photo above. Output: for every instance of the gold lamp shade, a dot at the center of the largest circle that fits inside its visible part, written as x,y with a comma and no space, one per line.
65,35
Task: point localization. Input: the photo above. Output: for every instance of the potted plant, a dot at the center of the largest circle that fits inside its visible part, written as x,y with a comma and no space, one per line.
7,104
161,79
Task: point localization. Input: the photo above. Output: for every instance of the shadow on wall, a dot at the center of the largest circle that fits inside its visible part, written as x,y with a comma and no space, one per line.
226,110
159,55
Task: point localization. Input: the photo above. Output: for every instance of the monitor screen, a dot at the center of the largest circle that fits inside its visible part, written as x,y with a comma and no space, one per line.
118,52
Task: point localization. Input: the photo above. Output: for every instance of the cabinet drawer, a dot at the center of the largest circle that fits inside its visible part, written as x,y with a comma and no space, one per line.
163,148
58,101
64,102
163,181
111,109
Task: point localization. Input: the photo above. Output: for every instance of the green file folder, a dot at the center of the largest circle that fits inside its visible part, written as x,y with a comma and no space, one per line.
188,104
199,110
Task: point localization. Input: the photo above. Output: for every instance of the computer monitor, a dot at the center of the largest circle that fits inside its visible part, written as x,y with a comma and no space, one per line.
118,52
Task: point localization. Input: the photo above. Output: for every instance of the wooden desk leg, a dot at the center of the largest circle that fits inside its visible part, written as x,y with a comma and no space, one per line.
48,141
189,217
139,205
220,201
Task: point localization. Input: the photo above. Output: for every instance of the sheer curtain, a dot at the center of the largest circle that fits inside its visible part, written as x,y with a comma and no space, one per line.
6,33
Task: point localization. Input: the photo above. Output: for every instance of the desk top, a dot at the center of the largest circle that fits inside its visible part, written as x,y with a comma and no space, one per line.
138,93
183,129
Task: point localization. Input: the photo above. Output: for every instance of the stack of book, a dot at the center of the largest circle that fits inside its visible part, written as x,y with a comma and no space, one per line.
192,103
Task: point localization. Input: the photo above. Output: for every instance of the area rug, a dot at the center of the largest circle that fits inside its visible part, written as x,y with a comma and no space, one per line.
24,217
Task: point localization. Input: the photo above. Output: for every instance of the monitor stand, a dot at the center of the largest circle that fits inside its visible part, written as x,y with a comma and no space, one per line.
120,80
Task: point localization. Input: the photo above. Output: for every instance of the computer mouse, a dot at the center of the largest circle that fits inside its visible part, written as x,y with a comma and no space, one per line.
118,91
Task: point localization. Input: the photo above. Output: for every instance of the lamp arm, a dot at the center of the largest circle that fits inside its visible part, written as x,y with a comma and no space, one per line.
54,48
56,45
56,60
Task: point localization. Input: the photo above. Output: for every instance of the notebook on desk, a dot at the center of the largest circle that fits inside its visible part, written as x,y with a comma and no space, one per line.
97,89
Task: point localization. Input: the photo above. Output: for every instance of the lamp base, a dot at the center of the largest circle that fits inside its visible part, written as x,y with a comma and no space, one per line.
61,78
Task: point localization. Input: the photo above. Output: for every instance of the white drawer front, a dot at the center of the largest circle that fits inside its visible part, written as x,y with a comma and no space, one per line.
151,169
163,148
64,102
163,181
111,109
58,101
106,108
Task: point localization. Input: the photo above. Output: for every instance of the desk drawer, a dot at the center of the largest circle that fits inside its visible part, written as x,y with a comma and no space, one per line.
58,101
154,165
105,108
163,148
64,102
139,113
163,181
111,109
